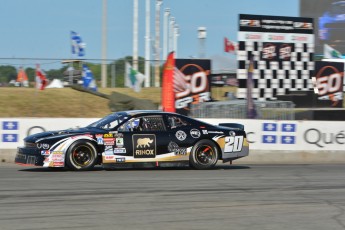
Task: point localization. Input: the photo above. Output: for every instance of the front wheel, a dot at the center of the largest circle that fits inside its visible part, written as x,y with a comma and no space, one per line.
204,155
81,155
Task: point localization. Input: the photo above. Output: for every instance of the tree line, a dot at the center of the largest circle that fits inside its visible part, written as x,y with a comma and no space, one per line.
9,72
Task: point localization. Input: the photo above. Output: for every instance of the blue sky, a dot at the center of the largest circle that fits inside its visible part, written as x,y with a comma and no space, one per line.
41,28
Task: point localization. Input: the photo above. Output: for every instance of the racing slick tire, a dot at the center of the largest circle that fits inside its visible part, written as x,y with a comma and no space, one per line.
204,155
81,156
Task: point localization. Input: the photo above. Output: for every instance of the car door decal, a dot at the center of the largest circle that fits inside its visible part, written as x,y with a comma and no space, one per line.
144,145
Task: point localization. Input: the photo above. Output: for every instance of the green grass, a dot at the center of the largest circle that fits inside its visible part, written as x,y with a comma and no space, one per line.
66,102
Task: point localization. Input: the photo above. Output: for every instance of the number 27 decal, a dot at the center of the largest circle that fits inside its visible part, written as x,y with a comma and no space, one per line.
233,144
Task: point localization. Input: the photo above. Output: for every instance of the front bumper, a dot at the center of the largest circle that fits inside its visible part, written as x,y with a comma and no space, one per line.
29,156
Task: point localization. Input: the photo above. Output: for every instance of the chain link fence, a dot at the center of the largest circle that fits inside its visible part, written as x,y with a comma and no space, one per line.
273,110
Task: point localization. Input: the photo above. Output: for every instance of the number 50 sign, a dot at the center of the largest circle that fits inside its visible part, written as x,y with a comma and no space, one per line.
329,78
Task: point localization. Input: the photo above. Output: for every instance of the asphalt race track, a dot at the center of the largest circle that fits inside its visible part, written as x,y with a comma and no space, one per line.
229,197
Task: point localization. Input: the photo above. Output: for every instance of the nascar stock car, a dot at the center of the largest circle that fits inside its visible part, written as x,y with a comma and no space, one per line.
136,138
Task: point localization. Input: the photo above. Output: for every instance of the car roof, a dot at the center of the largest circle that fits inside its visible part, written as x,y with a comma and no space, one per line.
143,112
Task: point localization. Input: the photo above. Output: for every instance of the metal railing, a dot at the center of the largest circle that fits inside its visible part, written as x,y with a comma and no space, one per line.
273,110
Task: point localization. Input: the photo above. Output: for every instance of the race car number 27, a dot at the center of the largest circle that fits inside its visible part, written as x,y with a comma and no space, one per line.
233,144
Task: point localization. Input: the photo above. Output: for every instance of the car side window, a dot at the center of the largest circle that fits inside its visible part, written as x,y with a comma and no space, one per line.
152,123
147,123
177,122
131,125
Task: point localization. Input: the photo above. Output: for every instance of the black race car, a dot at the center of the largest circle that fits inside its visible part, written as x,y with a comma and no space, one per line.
137,138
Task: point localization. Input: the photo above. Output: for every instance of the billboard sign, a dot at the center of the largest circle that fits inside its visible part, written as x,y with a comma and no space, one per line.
191,83
329,77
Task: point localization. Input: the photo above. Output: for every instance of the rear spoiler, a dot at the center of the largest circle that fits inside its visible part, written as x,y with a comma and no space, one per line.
232,125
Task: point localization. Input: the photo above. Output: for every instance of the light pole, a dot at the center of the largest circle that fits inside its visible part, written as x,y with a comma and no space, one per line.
157,43
104,45
135,35
202,38
165,32
171,34
176,35
147,46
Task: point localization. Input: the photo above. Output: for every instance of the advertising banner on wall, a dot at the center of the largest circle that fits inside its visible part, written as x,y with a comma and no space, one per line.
282,48
261,134
329,77
191,83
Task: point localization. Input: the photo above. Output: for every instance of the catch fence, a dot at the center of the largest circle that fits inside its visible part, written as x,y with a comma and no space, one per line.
275,110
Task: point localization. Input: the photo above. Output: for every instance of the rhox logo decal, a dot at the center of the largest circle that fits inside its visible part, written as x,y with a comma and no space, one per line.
144,145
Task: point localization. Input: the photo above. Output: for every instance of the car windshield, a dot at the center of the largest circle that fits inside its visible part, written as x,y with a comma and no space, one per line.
111,121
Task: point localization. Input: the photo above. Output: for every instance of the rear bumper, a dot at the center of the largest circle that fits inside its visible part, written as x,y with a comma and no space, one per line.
29,156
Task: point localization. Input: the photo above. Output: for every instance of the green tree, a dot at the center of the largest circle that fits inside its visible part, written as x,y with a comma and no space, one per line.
31,72
7,73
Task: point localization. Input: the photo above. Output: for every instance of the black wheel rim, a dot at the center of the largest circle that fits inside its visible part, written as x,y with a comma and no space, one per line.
82,155
205,155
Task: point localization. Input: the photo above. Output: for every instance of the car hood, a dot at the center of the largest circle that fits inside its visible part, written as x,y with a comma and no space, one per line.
58,134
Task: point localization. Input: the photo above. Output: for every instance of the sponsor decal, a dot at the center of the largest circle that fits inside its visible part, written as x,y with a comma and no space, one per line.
303,25
173,147
253,36
9,137
119,142
181,135
57,156
45,152
109,141
233,144
119,150
264,23
120,160
285,51
99,138
269,51
195,133
250,23
215,132
79,136
232,133
205,132
299,38
108,150
58,164
144,145
108,135
42,146
10,125
118,135
276,37
109,158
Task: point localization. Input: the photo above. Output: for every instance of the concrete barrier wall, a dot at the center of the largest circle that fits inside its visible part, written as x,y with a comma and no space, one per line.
270,141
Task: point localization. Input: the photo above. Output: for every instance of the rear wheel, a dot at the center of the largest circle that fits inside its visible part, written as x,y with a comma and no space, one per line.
204,155
81,155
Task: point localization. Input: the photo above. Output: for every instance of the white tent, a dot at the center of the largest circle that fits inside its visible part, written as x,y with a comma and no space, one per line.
56,83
